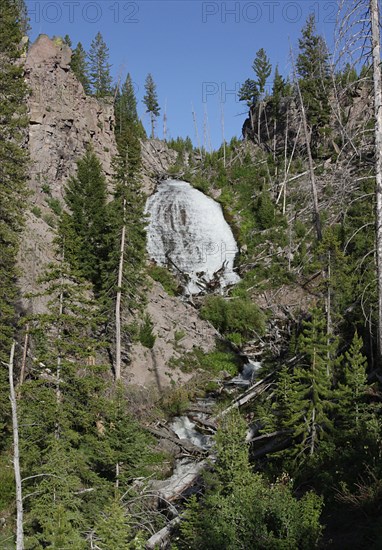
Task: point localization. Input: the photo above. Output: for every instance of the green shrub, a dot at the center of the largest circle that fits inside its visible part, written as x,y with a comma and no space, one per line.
55,205
36,210
45,188
165,278
265,211
146,336
50,220
218,360
239,315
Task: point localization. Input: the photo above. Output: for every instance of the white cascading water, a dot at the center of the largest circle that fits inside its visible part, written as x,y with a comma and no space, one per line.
187,231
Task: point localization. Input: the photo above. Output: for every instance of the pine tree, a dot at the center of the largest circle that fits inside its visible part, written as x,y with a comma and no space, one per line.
249,92
22,17
61,400
312,387
278,92
79,66
112,529
85,227
282,406
128,127
124,268
262,68
99,67
67,40
13,176
351,392
314,73
150,99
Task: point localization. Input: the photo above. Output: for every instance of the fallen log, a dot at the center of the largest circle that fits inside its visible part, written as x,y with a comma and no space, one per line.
187,446
272,446
265,437
184,477
254,391
162,538
205,424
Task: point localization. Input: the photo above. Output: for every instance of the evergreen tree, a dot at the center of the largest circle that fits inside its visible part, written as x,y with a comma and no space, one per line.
67,40
312,383
128,127
112,529
79,66
85,227
262,68
249,92
278,92
351,392
13,176
123,271
99,67
60,402
282,406
314,72
150,99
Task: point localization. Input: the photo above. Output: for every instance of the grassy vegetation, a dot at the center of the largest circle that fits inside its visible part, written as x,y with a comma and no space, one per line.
165,278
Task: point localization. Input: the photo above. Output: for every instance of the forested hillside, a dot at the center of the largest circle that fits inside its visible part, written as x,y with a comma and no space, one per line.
128,418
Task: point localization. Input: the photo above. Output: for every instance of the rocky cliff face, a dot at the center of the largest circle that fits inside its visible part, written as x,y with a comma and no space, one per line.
63,122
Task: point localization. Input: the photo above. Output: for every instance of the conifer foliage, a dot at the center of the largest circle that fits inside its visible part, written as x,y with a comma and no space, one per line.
314,72
84,228
150,100
13,170
99,67
79,66
13,167
312,382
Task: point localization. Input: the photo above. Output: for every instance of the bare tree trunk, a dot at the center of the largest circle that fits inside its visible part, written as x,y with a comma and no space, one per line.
117,472
328,312
259,123
314,432
152,125
118,355
223,131
376,53
165,122
59,358
24,359
196,130
16,456
316,210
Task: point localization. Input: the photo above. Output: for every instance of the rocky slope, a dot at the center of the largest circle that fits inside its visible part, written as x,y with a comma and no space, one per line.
178,330
63,122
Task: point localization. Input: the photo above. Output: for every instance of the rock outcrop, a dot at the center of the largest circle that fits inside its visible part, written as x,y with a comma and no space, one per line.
63,120
156,161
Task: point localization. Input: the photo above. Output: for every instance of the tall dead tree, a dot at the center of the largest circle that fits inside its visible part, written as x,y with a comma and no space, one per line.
359,41
16,456
307,136
376,54
118,301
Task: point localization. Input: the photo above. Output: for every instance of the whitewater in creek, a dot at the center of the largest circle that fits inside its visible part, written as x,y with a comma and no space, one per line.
187,232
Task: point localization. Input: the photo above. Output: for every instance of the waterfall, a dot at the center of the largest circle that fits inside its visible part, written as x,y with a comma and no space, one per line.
187,231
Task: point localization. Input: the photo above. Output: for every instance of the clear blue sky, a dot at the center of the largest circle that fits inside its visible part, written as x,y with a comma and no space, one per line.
199,52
